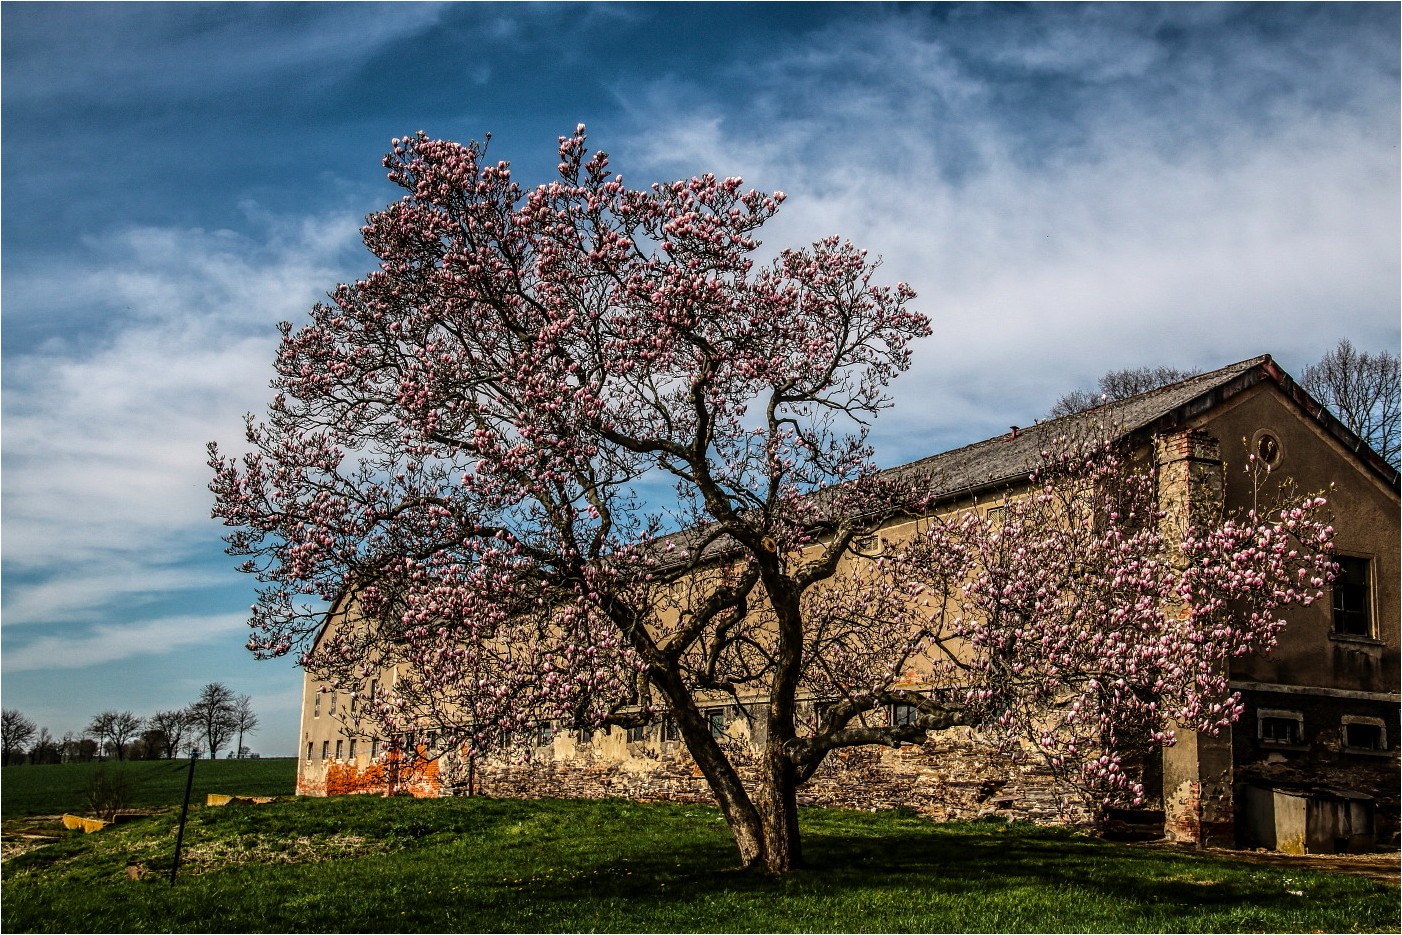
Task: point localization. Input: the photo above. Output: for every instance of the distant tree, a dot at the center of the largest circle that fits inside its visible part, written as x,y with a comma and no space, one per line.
1362,390
1116,385
171,726
116,728
245,721
45,749
16,731
214,716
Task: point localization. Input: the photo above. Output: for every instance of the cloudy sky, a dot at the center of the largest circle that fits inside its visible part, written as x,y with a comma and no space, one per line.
1070,189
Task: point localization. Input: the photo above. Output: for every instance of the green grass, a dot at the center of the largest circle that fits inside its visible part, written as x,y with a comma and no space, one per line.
369,864
62,787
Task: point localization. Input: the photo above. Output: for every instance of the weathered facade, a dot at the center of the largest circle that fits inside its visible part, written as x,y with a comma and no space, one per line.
1312,763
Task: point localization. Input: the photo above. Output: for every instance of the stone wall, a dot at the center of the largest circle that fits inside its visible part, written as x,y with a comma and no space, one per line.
951,777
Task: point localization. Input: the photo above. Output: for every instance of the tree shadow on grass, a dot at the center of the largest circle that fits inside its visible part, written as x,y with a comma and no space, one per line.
1063,879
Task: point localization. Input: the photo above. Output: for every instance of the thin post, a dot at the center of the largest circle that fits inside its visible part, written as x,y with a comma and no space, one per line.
184,810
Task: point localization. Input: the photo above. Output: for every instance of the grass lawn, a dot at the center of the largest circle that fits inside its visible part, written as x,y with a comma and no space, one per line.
367,864
62,787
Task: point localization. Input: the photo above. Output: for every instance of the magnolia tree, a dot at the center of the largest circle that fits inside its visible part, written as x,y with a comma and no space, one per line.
468,444
1083,619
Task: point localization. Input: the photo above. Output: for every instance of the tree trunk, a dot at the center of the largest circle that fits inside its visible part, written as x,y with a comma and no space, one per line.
778,811
778,791
744,820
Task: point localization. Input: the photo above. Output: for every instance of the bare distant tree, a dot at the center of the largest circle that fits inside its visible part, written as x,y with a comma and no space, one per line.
116,727
172,726
1362,390
16,730
245,721
213,716
1116,385
45,749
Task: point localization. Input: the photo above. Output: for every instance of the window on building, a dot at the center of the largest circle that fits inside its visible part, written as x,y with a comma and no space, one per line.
325,749
903,714
1284,728
374,747
1364,733
316,703
331,705
1353,597
338,748
867,545
309,751
670,731
352,748
637,734
716,717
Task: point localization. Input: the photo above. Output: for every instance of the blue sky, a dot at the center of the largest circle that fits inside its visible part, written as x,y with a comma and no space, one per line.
1069,188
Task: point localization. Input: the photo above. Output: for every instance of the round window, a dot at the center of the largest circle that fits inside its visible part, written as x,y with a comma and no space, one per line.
1268,448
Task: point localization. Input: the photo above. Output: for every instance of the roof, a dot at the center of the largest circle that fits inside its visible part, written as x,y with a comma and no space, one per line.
1006,458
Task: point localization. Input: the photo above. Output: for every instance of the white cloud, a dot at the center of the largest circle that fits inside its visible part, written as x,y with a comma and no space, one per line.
104,456
1132,221
187,48
109,643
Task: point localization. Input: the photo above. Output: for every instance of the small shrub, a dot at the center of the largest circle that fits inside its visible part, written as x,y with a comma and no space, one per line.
108,792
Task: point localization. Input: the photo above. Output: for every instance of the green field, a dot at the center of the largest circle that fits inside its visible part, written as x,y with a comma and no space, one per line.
62,787
370,864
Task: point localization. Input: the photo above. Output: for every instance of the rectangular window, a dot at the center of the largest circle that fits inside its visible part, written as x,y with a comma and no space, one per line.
316,703
1364,734
716,717
637,734
866,545
903,714
374,748
1281,730
670,731
331,706
325,749
352,748
338,747
309,751
1353,597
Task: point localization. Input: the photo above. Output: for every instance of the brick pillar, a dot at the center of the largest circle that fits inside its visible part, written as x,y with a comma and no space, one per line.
1197,771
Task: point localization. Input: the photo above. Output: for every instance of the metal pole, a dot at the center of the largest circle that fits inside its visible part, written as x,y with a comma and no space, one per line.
184,810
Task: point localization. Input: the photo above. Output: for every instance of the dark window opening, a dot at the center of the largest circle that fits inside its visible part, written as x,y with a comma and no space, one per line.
637,733
1268,449
670,730
718,721
1284,730
1364,737
1352,597
903,714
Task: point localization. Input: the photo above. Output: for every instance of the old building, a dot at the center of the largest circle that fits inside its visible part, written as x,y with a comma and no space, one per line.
1312,764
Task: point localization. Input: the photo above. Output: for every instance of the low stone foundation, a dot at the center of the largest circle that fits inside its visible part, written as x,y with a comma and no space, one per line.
949,778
